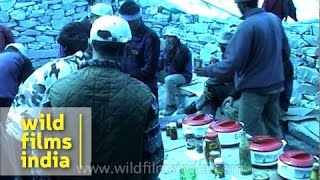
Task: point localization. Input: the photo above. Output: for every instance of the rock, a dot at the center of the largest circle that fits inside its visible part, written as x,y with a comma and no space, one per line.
46,39
309,98
44,19
186,19
308,75
175,17
55,6
203,19
70,12
44,6
37,54
311,40
4,16
49,12
64,2
27,23
81,9
307,131
39,13
311,51
41,28
315,30
194,46
317,64
58,14
30,32
297,51
25,39
80,3
311,62
35,46
51,32
162,17
300,28
296,41
18,14
197,27
52,1
209,38
59,24
308,89
78,16
15,33
6,5
206,53
297,144
191,37
296,61
152,10
25,4
69,7
10,24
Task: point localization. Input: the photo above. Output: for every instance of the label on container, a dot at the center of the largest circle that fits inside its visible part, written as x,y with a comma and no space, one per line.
301,174
259,158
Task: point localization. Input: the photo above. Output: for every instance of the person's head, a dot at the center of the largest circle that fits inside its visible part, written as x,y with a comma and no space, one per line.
224,39
73,37
131,12
98,10
108,37
245,5
171,38
17,47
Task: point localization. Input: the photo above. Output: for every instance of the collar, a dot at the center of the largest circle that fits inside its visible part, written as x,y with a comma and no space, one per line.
252,12
100,63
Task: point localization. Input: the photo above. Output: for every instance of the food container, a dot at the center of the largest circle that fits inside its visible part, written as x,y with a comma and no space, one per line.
265,150
228,131
295,165
198,123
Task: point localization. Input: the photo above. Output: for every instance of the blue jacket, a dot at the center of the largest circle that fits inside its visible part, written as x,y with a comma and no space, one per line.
179,62
14,70
255,54
142,57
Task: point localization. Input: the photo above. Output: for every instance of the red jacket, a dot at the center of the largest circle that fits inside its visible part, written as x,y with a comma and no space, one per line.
6,37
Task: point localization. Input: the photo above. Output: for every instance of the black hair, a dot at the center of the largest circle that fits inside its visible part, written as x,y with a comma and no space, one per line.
252,3
129,8
74,37
110,49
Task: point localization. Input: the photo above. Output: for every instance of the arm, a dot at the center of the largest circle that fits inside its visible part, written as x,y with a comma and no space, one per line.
182,60
27,69
161,62
153,146
151,59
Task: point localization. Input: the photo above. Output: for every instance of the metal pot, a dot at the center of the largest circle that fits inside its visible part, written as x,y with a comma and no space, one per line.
228,131
265,150
295,165
198,123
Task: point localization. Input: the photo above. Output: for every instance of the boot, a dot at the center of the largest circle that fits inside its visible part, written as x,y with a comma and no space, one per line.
191,109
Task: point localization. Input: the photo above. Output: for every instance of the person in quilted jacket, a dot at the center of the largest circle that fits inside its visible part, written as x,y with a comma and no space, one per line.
120,105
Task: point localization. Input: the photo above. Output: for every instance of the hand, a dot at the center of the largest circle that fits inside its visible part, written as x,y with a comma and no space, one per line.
229,100
199,71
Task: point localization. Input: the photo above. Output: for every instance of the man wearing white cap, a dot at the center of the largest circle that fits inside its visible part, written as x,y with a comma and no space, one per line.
15,68
120,105
142,55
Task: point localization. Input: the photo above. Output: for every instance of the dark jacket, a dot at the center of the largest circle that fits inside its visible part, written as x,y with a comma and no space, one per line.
281,8
14,70
142,57
6,37
122,110
177,62
255,54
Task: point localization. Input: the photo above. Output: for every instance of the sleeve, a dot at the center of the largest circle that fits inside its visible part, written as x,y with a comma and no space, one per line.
236,58
161,62
27,69
151,59
153,146
8,35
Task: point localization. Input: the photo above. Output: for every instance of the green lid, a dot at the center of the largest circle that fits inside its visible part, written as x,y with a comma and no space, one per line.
188,173
260,175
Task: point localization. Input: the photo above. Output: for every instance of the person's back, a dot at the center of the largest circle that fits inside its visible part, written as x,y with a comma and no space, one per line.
264,45
6,37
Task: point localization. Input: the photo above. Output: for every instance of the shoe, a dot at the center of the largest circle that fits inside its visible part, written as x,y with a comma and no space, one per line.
170,109
191,109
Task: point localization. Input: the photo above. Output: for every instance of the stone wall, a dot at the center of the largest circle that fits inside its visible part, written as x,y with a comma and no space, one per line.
37,24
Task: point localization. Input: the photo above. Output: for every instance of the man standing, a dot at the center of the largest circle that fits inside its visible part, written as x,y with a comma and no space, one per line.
176,61
118,103
142,55
255,55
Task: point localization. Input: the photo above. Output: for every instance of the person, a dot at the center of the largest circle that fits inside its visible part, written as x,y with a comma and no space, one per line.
15,68
6,37
142,54
124,103
32,94
281,8
215,90
258,68
73,38
176,61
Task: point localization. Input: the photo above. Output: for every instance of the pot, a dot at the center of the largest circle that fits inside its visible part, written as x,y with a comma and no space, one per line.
228,131
295,165
198,123
265,150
